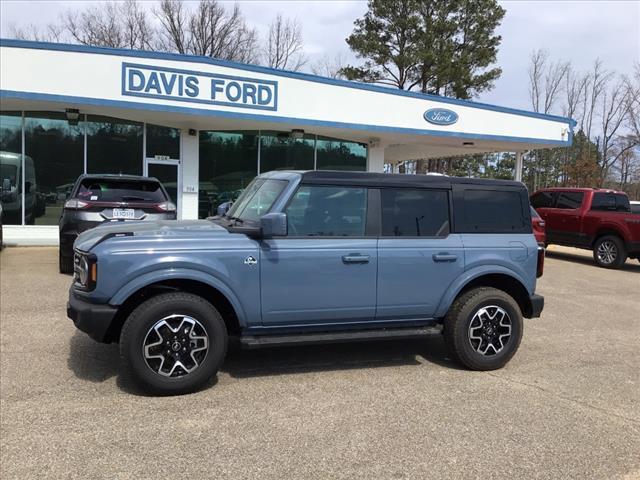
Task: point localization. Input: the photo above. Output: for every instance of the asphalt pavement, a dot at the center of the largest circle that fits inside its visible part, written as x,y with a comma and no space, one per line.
566,406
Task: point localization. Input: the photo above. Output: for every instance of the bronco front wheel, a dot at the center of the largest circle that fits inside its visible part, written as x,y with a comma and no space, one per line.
173,343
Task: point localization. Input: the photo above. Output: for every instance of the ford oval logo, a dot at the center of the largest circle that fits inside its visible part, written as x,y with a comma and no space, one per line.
441,116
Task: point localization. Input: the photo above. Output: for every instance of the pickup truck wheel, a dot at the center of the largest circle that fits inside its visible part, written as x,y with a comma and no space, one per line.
483,328
609,252
173,343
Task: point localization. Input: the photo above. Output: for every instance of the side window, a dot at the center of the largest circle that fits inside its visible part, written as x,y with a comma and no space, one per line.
327,211
492,211
622,203
569,200
542,200
603,201
415,213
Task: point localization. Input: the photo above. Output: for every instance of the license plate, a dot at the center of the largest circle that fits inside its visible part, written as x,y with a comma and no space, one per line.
124,213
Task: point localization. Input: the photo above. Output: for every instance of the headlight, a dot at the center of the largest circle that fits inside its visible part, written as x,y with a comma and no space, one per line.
85,269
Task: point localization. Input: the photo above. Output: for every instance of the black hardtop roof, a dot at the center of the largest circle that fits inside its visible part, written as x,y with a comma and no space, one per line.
371,179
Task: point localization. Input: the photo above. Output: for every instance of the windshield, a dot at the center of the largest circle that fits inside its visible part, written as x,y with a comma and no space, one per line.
257,199
119,190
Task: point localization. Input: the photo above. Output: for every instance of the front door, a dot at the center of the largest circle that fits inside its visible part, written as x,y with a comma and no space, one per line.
324,271
168,172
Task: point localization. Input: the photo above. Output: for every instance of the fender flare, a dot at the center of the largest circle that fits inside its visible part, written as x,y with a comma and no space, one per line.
158,276
468,276
611,229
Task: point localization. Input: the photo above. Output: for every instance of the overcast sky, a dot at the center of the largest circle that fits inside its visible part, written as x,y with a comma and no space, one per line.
580,31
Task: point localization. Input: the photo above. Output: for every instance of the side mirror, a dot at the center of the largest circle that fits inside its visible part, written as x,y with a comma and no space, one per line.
274,225
6,185
27,187
223,208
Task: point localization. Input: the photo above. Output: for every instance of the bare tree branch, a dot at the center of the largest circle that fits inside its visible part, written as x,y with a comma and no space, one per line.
118,25
330,66
284,45
172,36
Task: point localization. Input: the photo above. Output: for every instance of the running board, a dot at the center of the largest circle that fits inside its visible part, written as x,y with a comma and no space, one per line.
258,341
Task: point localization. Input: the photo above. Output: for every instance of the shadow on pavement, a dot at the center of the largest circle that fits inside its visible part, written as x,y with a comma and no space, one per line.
631,265
333,357
97,362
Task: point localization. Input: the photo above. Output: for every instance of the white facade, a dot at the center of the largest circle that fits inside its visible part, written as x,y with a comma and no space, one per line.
195,93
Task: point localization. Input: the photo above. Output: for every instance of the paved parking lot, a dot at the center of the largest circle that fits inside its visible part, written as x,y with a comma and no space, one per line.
567,406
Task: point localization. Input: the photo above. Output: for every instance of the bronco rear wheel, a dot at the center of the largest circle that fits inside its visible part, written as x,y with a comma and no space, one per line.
483,328
173,343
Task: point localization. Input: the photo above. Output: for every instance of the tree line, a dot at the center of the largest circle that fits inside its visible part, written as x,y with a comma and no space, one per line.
441,47
208,29
606,142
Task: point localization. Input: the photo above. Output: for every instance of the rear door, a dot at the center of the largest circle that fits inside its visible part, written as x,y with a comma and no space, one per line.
418,256
564,224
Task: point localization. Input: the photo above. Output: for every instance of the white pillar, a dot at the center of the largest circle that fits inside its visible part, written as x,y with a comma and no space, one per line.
189,162
518,172
375,158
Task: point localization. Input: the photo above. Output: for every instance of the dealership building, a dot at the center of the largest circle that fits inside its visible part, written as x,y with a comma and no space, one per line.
207,127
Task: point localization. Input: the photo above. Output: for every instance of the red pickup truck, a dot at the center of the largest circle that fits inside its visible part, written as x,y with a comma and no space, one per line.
595,219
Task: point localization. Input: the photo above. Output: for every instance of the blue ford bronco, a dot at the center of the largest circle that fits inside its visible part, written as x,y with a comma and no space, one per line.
312,257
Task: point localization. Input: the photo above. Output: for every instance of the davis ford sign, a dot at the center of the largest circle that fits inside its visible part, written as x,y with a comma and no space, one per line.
441,116
198,87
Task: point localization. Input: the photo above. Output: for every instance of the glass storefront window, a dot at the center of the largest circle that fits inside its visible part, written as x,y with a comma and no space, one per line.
163,141
334,154
228,163
114,145
279,151
11,167
55,151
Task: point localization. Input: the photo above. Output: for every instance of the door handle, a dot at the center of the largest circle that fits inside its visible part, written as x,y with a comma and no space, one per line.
355,258
444,257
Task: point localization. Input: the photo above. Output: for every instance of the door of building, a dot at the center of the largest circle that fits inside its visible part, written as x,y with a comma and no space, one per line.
168,172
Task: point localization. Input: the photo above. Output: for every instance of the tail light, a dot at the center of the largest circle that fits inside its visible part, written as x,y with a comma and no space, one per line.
166,207
75,204
540,264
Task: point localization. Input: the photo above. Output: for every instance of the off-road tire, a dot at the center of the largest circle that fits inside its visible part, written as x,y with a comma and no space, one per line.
142,320
457,328
620,252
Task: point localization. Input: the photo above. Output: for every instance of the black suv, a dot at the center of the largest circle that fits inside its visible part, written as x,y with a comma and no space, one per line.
99,199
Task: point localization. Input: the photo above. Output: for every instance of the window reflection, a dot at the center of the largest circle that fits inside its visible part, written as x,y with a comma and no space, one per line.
163,141
327,211
55,156
228,163
114,145
11,167
280,151
334,154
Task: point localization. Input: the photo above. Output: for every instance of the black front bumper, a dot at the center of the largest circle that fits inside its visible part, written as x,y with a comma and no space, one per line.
537,304
92,318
